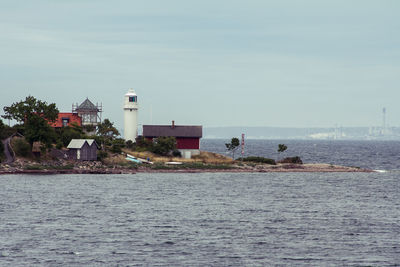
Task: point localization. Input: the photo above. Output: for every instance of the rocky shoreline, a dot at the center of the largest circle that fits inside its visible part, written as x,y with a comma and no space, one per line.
98,168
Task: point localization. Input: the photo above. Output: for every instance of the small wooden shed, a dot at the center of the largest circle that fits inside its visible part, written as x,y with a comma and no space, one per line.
82,149
36,148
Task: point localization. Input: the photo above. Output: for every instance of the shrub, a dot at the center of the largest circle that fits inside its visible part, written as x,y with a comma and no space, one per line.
176,153
101,155
117,145
259,160
129,144
59,144
164,145
21,147
294,160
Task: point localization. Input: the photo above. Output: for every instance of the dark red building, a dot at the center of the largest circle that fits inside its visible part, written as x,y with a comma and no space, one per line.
187,137
66,119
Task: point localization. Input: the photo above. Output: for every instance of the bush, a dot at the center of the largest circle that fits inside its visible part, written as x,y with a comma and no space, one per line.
259,160
101,155
294,160
164,145
176,153
117,145
129,144
142,144
59,144
22,148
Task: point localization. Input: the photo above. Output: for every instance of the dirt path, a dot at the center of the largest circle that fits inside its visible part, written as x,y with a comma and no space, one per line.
9,155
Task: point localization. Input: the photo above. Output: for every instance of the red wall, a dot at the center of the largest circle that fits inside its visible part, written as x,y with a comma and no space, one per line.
187,143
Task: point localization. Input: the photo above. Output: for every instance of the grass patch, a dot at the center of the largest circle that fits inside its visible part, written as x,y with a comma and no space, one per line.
60,167
34,167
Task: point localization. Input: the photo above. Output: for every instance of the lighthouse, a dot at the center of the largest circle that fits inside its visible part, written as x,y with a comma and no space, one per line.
130,116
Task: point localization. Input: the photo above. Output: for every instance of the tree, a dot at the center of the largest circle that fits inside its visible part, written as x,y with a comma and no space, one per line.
66,134
5,130
2,130
22,111
281,148
233,146
38,129
34,115
107,132
163,145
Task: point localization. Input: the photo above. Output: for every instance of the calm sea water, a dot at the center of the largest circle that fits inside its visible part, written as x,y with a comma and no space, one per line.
203,219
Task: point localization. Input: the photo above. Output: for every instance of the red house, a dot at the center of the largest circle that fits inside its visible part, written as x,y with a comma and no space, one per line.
187,137
66,119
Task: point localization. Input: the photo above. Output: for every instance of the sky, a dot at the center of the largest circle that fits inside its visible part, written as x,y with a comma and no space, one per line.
283,63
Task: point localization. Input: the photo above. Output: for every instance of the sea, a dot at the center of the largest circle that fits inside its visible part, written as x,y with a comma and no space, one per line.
211,219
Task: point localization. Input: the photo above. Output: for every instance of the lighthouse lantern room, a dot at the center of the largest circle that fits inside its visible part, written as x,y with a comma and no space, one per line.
130,116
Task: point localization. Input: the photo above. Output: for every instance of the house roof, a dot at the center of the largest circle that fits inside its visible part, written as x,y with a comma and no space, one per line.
78,143
73,118
87,105
175,131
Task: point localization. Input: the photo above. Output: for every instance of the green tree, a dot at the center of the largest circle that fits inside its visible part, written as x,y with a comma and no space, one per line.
66,134
21,147
281,148
117,145
164,145
22,111
2,130
6,131
233,146
107,132
34,115
38,129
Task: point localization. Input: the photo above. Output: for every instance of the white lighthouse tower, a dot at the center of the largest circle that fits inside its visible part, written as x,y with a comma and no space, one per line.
130,116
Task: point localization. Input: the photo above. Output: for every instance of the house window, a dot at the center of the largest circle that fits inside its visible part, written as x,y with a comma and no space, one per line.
65,122
131,99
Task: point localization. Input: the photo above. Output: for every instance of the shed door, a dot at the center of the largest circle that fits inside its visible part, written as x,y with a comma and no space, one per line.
78,154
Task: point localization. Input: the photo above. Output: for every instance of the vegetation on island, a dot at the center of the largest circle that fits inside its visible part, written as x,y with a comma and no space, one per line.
34,118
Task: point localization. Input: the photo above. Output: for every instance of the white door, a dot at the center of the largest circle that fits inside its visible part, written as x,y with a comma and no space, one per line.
78,154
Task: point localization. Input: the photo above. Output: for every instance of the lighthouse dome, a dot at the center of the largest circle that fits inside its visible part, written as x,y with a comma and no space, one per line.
131,92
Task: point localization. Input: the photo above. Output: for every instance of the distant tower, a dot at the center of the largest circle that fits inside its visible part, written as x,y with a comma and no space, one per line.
130,116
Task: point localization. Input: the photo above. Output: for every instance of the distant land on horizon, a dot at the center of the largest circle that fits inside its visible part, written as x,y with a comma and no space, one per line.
317,133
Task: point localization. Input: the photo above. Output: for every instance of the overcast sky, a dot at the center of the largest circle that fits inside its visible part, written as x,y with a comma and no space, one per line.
280,63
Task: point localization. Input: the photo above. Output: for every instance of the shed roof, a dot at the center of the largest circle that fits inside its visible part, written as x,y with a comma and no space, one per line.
87,105
175,131
79,143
